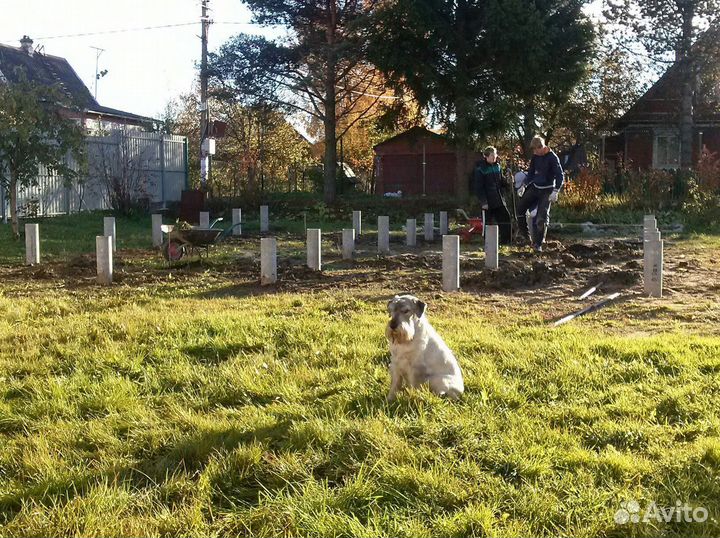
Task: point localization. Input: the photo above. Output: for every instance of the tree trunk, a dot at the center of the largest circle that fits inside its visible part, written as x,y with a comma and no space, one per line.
330,151
462,108
528,129
251,183
462,135
330,121
12,187
686,103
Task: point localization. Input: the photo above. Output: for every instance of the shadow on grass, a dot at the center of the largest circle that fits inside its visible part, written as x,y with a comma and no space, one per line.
190,454
216,354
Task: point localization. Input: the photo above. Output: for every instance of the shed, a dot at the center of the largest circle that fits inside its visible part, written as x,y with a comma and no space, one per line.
416,162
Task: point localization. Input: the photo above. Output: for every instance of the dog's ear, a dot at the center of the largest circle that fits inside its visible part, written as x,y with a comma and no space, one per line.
420,307
391,302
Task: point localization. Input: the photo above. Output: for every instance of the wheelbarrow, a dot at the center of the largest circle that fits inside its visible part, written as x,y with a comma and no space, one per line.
181,241
474,226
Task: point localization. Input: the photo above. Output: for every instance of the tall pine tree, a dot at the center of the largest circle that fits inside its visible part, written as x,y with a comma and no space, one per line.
540,50
434,48
317,67
479,64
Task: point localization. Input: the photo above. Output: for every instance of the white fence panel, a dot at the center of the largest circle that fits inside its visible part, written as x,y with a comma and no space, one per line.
154,164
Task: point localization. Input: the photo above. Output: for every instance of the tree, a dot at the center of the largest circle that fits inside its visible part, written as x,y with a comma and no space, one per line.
666,27
434,49
541,51
261,150
606,91
180,117
318,65
478,64
386,118
35,131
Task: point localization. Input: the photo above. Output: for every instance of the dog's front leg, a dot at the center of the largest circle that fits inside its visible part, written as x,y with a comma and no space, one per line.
396,383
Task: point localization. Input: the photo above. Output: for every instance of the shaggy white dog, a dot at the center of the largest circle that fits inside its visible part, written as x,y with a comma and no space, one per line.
418,354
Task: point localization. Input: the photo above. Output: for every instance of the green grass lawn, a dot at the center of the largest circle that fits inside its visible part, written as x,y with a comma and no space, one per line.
200,408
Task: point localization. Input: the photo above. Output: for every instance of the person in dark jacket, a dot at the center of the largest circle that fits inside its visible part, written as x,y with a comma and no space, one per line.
489,184
541,187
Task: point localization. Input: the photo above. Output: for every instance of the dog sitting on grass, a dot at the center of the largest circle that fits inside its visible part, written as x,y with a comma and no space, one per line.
418,354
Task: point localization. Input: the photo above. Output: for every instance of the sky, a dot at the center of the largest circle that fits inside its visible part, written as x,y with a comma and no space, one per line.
146,68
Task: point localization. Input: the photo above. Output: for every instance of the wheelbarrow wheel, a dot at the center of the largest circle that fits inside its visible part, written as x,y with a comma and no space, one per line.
173,251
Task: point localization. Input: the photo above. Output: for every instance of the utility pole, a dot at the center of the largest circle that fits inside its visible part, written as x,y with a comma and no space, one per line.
98,74
204,111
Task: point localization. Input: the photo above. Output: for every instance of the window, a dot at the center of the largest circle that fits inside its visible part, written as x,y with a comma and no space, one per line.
666,151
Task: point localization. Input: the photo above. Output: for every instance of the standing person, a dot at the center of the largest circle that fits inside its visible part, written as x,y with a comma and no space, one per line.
540,188
489,184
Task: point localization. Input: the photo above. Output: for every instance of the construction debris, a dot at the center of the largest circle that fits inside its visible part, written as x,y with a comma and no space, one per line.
589,292
587,309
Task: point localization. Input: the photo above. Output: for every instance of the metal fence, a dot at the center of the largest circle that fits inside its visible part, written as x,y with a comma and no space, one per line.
152,165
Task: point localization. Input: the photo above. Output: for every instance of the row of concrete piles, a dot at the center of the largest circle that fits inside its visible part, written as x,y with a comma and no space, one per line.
450,246
106,244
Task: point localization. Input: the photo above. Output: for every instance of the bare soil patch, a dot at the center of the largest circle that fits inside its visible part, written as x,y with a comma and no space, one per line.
554,279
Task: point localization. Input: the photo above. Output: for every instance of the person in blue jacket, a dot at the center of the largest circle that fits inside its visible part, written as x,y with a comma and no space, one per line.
540,188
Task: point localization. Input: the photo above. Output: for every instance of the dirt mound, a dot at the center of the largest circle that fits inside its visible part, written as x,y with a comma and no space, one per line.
626,246
617,275
551,246
403,261
293,272
42,273
581,250
35,272
599,252
513,274
633,265
84,263
570,260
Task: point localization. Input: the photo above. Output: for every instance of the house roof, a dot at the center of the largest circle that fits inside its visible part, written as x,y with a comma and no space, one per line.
47,69
661,103
412,134
114,112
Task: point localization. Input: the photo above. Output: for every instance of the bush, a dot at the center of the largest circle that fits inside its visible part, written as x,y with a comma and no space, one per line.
648,189
708,171
292,205
674,196
583,193
595,189
701,208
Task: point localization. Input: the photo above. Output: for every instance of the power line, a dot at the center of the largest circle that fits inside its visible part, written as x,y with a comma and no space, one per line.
140,29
